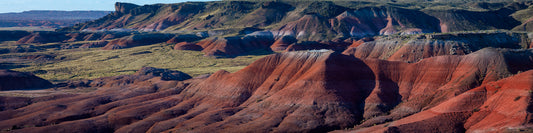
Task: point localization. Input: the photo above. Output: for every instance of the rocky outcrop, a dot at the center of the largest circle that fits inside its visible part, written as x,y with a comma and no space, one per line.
187,46
498,106
234,46
137,40
267,14
462,20
416,48
124,8
93,36
13,80
183,38
372,21
165,74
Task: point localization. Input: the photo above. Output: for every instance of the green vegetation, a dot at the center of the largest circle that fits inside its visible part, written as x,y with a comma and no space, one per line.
95,63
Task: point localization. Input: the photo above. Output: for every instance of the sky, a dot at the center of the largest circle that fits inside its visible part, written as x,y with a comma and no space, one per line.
72,5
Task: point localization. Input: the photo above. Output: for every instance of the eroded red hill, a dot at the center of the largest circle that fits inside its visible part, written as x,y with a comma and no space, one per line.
13,80
300,92
500,106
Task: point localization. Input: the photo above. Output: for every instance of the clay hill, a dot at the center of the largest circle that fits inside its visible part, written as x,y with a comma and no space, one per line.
13,80
315,91
417,47
54,19
316,20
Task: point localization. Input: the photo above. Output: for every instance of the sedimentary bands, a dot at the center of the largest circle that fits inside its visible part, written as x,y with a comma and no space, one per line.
325,67
488,90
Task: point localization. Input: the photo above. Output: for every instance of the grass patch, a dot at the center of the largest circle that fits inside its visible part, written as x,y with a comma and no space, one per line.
96,63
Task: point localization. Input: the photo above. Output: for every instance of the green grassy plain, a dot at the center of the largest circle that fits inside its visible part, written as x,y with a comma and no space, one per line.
94,63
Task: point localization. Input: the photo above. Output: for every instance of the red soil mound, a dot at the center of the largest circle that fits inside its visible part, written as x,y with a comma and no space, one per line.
187,46
136,40
501,106
298,92
43,37
360,41
282,43
13,80
183,38
233,46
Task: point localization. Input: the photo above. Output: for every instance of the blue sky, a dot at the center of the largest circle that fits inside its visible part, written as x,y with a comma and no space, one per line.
69,5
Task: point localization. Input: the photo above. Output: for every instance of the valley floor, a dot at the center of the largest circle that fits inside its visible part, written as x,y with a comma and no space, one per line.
65,64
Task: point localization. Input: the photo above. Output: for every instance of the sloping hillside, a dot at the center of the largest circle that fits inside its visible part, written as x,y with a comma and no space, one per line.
315,91
312,20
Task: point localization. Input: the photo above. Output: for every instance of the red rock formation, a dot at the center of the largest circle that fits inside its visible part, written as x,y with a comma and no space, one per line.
92,36
124,8
302,92
362,22
43,37
282,43
416,48
183,38
13,80
114,35
360,41
465,20
308,27
163,73
234,46
308,45
74,37
187,46
173,15
136,40
500,106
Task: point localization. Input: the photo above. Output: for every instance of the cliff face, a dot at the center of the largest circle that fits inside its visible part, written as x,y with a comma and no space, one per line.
306,21
124,8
